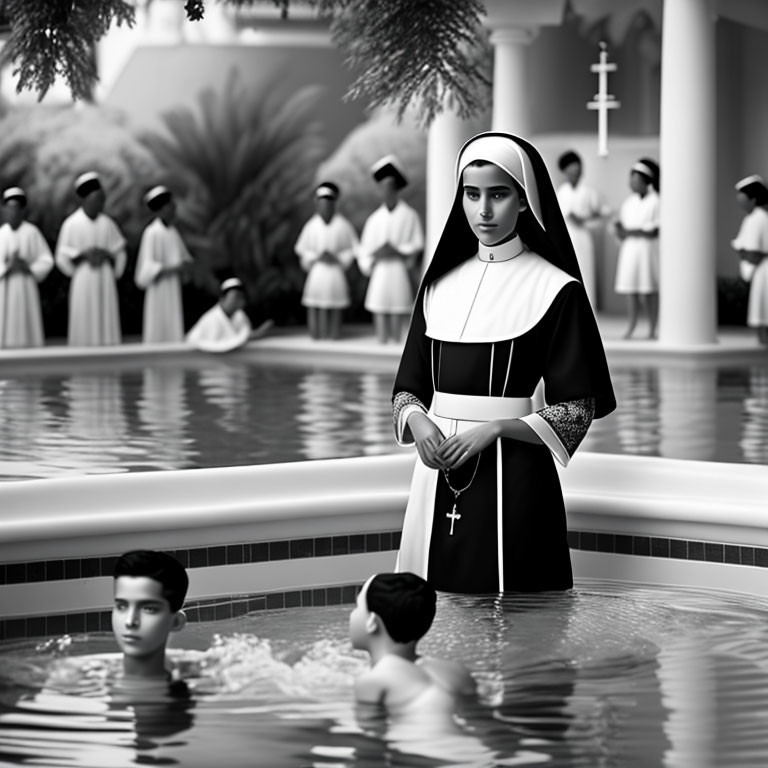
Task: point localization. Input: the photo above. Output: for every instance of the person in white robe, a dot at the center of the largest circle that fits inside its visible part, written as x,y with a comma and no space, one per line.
751,245
637,271
582,209
25,261
390,245
91,251
326,248
160,268
225,326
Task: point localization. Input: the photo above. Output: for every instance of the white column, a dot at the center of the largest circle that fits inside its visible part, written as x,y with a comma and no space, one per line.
447,133
687,158
511,108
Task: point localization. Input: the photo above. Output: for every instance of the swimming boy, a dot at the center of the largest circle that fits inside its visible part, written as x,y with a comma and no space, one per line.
149,591
393,612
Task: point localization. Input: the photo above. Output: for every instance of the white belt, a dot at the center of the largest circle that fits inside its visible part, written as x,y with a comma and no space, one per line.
479,408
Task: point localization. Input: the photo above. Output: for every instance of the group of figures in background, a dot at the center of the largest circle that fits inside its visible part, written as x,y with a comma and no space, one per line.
91,251
387,252
389,249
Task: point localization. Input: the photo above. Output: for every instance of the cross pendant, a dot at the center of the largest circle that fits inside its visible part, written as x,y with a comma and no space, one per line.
454,516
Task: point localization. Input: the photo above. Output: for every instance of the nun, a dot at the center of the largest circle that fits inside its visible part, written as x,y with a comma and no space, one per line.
637,270
581,207
225,326
162,260
91,251
502,373
25,261
751,245
390,245
326,248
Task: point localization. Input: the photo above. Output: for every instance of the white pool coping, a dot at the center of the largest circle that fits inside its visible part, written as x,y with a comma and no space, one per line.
101,515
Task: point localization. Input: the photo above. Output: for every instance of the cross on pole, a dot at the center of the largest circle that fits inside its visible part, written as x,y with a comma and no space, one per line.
603,101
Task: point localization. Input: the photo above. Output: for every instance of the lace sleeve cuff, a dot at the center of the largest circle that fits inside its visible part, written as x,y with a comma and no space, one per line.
562,426
403,405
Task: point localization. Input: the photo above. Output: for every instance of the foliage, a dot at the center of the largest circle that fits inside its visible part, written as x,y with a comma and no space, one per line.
240,163
43,149
50,38
616,22
427,54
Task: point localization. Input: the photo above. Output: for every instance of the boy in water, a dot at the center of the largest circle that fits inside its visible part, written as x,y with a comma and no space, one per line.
149,591
393,612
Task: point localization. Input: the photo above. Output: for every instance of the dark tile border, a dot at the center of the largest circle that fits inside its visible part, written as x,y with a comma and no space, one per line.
674,549
202,557
214,609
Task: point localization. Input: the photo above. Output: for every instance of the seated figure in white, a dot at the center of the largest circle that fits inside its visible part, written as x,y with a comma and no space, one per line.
225,326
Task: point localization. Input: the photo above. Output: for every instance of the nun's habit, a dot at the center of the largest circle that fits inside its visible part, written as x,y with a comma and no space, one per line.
500,332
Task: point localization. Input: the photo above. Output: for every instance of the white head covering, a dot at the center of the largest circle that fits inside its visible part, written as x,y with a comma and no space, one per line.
510,157
87,182
232,282
14,193
155,194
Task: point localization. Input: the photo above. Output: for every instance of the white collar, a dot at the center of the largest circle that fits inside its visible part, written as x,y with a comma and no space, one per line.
502,251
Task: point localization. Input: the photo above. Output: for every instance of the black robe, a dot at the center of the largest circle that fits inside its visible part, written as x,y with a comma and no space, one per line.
564,350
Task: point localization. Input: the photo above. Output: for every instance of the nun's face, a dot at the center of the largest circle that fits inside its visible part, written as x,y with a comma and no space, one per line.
491,202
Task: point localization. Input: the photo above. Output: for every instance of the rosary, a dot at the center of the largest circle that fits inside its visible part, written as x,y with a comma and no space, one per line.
453,515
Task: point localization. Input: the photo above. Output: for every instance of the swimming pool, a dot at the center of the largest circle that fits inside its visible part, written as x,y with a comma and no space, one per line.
607,674
192,411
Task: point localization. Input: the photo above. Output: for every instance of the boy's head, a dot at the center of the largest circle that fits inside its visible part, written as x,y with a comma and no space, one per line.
401,604
149,591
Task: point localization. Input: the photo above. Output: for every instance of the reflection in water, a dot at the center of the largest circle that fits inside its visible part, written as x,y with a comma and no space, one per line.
235,412
687,401
320,415
377,426
164,414
754,435
637,412
226,387
24,416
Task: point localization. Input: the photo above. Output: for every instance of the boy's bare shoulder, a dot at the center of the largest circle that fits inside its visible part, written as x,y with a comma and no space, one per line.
449,674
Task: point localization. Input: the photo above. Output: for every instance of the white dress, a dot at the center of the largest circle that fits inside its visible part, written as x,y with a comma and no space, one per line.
326,285
21,322
389,289
94,315
753,236
216,331
582,201
638,268
161,248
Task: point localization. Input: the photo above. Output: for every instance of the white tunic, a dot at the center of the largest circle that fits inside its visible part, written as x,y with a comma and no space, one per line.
161,248
216,331
638,268
21,322
389,289
326,286
582,201
753,236
94,315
